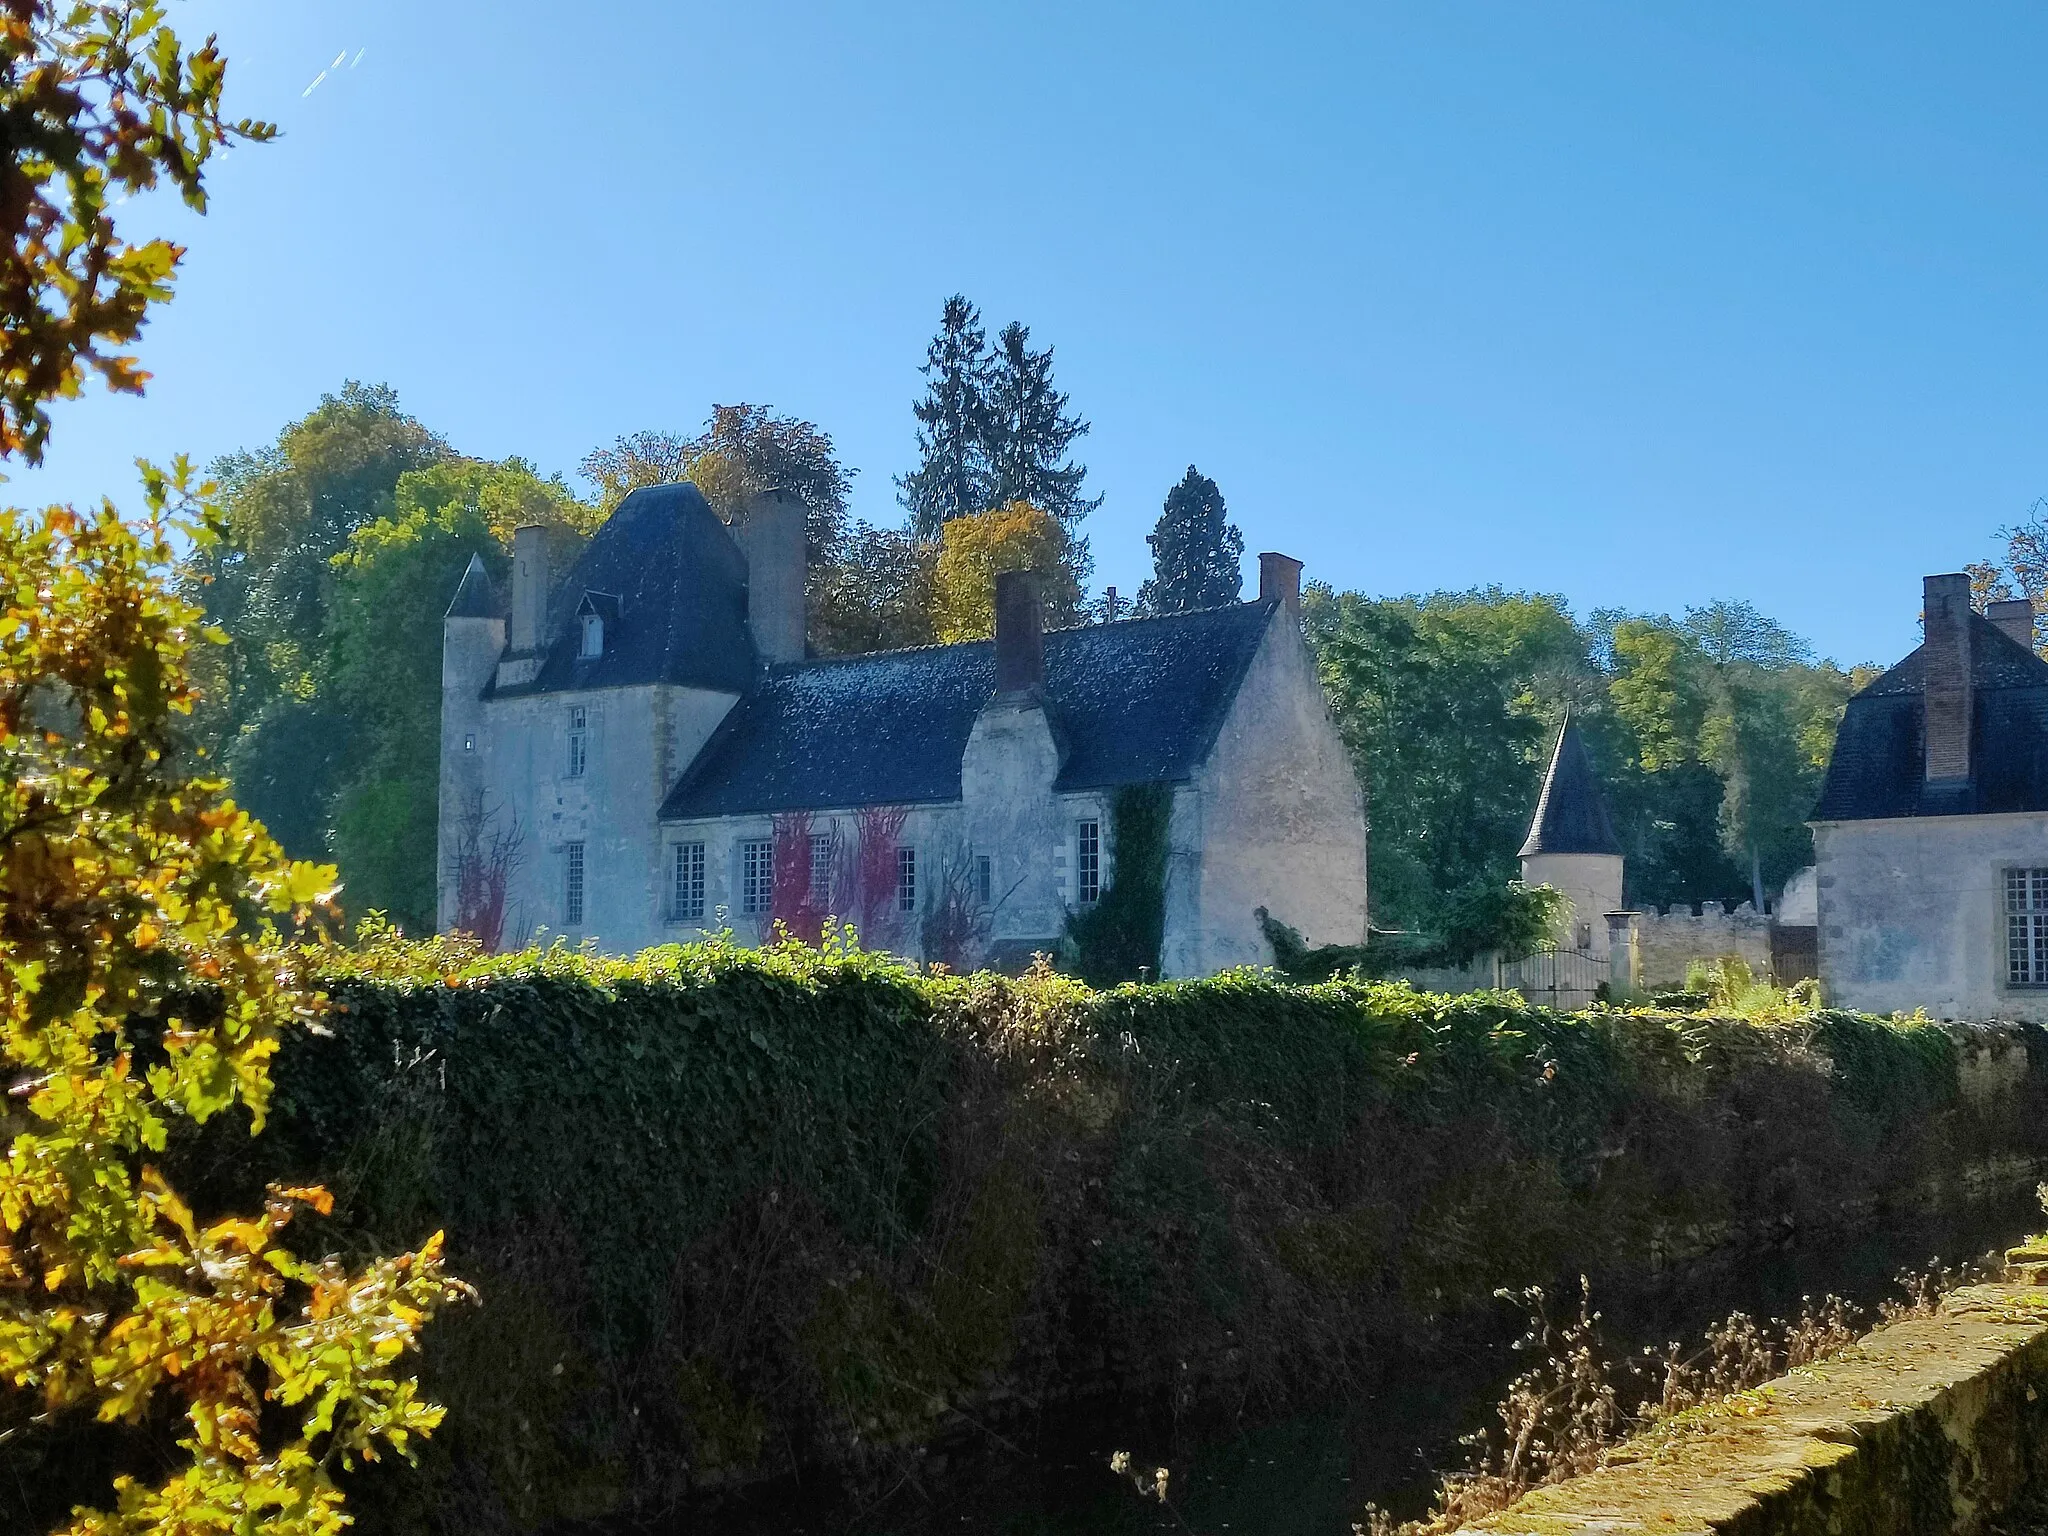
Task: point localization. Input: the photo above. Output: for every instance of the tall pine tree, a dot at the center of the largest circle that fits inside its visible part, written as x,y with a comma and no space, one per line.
952,475
1031,431
1195,552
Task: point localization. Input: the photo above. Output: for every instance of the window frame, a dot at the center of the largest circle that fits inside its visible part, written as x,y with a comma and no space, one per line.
2026,926
1088,860
906,877
686,882
984,879
578,754
818,871
593,630
574,883
756,875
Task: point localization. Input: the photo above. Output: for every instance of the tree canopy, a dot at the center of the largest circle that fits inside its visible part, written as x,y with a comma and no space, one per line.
1196,551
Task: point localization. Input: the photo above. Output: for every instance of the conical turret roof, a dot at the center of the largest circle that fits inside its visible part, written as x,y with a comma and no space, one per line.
1571,813
476,598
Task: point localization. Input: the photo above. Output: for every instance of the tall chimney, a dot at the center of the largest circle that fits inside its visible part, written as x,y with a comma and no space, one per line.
529,588
2015,616
772,538
1020,633
1280,576
1946,661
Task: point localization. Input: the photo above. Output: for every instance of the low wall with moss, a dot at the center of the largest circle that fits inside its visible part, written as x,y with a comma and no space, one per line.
1937,1426
732,1212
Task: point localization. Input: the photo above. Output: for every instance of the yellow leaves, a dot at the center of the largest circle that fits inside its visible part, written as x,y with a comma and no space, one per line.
147,934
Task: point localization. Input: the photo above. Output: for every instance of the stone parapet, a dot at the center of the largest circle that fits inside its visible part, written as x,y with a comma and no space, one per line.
1932,1425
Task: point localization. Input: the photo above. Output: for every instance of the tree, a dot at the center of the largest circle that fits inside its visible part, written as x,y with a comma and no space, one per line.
743,451
974,549
953,477
268,583
1195,552
99,100
143,984
875,594
1030,435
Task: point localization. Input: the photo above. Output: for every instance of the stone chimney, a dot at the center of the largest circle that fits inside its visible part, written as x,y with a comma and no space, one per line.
1945,658
529,589
772,538
1280,576
2015,616
1020,633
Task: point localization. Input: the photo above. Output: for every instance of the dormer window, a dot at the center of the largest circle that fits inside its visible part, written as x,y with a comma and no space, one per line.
593,635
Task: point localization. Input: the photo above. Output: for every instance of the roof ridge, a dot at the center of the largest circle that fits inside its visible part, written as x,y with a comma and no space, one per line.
783,667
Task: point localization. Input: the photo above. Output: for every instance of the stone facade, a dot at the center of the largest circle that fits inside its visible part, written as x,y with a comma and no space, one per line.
645,738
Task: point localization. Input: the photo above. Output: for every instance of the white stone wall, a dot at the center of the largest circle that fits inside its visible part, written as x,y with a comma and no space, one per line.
469,654
636,741
1275,819
1591,882
1668,942
1912,913
1009,811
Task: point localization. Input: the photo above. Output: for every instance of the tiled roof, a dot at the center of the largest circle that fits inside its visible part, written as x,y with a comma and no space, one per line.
1879,764
1571,812
680,585
1135,702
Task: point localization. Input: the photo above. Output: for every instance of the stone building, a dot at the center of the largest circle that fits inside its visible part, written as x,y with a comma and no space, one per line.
1931,835
1572,846
642,751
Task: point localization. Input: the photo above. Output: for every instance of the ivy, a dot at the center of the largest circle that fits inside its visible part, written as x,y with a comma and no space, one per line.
1118,939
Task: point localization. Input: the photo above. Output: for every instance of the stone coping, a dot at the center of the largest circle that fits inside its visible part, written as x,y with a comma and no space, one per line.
1929,1425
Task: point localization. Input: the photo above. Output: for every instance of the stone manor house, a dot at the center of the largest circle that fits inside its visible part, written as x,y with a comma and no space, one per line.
643,751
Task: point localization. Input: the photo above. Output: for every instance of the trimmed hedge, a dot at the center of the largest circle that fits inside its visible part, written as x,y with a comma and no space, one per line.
732,1211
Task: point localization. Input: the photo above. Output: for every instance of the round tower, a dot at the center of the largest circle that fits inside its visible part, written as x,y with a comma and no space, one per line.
1572,846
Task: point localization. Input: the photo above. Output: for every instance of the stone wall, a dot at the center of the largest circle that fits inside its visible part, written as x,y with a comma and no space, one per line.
1928,1427
1667,942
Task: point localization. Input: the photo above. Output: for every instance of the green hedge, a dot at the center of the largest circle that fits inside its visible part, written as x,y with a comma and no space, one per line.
732,1210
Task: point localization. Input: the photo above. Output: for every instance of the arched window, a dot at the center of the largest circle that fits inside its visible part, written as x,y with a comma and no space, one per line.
593,635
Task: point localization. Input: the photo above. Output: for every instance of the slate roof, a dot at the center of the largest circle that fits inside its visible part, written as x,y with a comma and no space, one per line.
1571,812
476,598
680,587
1879,764
1139,701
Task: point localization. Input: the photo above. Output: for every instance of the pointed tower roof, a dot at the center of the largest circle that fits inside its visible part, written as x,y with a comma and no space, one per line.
476,598
1571,813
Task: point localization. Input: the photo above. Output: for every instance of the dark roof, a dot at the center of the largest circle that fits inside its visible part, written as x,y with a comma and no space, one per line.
1571,813
1135,702
476,598
1879,767
680,585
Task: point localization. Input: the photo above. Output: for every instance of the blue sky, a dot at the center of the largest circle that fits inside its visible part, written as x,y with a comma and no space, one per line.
1643,305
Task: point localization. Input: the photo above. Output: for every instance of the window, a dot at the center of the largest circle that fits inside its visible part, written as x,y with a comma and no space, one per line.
1088,859
757,874
572,885
593,635
2026,927
906,879
469,743
686,903
821,869
579,741
984,878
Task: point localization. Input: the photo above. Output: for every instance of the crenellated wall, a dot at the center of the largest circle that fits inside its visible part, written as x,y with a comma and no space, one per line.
1669,941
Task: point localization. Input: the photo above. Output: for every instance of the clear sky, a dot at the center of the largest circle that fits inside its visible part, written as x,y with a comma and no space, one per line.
1640,304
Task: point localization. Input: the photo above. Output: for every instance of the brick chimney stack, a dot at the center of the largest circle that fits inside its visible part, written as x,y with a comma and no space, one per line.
1280,576
2015,616
1020,633
1946,659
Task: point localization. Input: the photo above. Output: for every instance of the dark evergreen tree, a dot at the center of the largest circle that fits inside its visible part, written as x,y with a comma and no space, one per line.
1195,552
1030,433
952,477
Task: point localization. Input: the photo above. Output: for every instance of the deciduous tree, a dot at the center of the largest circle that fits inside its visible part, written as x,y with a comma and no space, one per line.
973,549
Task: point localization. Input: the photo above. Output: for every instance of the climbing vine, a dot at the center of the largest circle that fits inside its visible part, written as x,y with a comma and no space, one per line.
1118,939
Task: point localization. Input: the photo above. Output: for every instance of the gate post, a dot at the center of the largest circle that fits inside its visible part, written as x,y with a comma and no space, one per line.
1624,957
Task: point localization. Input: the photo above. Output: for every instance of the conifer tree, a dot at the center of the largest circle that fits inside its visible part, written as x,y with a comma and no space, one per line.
952,474
1195,551
1030,432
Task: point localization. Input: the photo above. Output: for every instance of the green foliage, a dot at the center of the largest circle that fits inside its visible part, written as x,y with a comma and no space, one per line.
102,102
1195,550
126,882
1513,919
952,477
730,1203
1118,938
